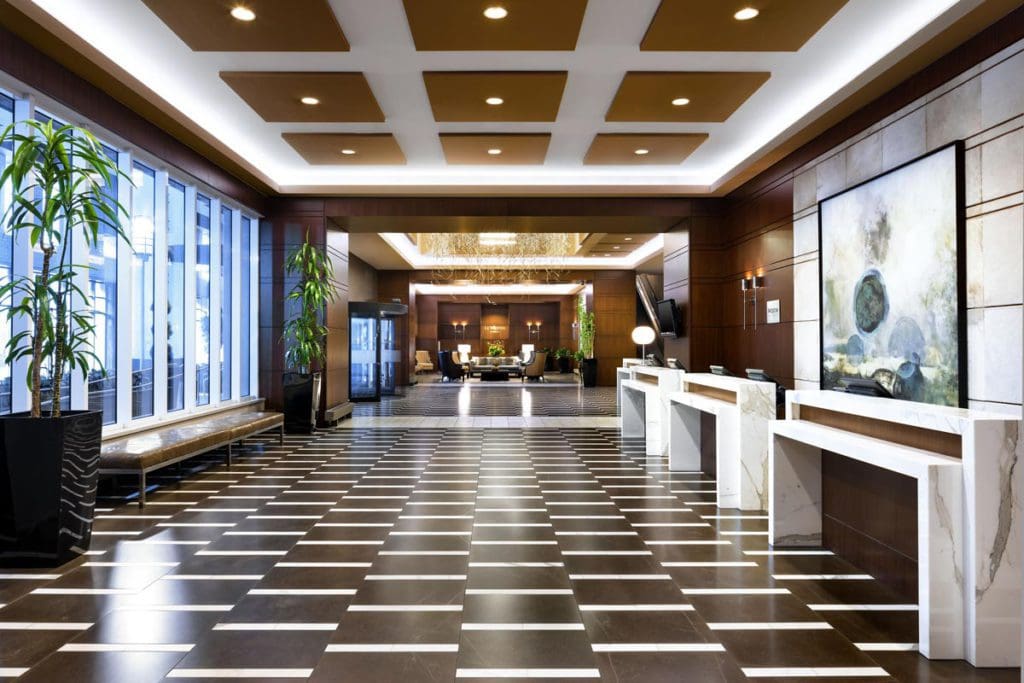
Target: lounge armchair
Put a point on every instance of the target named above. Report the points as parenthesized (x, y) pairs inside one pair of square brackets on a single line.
[(423, 362), (450, 370), (535, 369)]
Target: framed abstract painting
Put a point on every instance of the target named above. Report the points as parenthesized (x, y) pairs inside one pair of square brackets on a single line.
[(893, 279)]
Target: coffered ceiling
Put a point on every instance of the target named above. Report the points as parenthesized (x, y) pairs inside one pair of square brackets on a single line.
[(598, 96)]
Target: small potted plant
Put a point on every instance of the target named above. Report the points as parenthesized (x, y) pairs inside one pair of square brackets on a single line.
[(49, 457), (305, 335), (563, 354), (495, 350)]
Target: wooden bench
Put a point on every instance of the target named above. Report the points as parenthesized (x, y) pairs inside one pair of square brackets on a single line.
[(143, 452)]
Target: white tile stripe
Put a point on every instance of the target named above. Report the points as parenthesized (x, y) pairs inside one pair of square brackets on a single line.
[(814, 672), (770, 626), (658, 647), (393, 647), (527, 673), (240, 673)]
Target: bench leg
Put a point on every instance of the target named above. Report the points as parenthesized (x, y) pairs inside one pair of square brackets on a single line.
[(142, 490), (280, 434), (229, 456)]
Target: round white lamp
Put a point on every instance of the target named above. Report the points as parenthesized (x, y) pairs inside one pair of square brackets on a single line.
[(643, 336)]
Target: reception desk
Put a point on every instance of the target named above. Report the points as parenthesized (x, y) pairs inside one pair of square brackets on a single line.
[(624, 373), (644, 408), (958, 468), (739, 410)]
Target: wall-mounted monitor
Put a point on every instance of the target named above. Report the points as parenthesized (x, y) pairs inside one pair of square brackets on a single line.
[(670, 318)]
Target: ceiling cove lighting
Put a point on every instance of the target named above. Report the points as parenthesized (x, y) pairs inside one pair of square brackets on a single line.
[(311, 101), (746, 14), (680, 101), (496, 12), (563, 289), (242, 13), (494, 101)]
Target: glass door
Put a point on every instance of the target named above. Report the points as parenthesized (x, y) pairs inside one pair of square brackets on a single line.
[(389, 356), (363, 376)]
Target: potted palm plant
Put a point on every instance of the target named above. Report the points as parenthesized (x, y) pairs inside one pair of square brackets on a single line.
[(585, 354), (49, 457), (305, 335)]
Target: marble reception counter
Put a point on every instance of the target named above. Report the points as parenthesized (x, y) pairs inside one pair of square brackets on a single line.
[(741, 409), (968, 505), (643, 405)]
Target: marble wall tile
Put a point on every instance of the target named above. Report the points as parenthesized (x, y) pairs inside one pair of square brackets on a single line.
[(805, 235), (999, 408), (1002, 91), (805, 291), (994, 360), (954, 115), (806, 351), (904, 140), (864, 159), (995, 252), (972, 176), (1002, 165), (806, 384), (805, 190), (831, 175)]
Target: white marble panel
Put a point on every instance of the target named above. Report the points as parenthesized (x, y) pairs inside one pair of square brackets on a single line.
[(864, 159), (807, 351), (632, 417), (805, 190), (994, 360), (1002, 91), (1002, 165), (954, 115), (795, 510), (995, 252), (805, 291), (831, 175), (805, 235), (972, 176), (904, 139)]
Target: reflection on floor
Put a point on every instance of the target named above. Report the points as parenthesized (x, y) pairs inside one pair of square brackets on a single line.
[(494, 400), (409, 555)]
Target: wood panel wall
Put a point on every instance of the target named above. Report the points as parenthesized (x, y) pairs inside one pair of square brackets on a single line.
[(614, 306)]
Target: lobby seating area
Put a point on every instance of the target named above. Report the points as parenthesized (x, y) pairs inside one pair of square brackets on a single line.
[(404, 341)]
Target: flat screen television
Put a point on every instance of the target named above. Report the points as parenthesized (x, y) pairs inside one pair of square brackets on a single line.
[(669, 318)]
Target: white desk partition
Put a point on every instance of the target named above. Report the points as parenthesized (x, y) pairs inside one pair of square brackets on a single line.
[(644, 407), (742, 410), (969, 507)]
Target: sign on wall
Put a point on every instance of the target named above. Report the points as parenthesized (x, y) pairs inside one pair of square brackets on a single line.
[(892, 281)]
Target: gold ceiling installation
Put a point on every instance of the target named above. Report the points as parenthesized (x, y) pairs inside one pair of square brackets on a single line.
[(497, 257)]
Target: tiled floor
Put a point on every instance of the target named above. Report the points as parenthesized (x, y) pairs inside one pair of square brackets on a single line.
[(494, 399), (395, 554)]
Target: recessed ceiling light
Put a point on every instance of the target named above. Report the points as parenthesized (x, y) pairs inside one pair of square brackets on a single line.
[(348, 152), (640, 152), (629, 239), (616, 247), (745, 14), (494, 101), (680, 101), (242, 13), (496, 12), (494, 152), (310, 100)]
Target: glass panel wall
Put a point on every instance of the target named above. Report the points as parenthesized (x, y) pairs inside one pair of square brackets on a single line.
[(102, 377), (226, 253), (175, 296), (245, 305), (143, 288), (202, 300), (6, 257)]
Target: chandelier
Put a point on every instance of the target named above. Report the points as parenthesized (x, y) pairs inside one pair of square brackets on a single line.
[(497, 257)]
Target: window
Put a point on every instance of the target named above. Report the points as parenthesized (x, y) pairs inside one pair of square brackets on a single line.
[(143, 286), (102, 377), (226, 253), (175, 296), (6, 258), (245, 304), (202, 300)]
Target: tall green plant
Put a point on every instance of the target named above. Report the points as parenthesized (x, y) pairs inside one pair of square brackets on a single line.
[(57, 175), (586, 321), (305, 335)]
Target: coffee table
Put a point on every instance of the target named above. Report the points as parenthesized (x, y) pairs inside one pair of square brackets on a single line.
[(494, 376)]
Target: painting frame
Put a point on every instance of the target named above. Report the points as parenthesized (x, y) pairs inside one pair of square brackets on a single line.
[(960, 218)]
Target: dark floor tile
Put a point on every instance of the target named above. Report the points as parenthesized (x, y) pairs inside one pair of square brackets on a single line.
[(520, 609), (103, 667), (519, 649), (257, 649), (390, 667)]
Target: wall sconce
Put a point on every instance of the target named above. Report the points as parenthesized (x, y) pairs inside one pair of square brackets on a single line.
[(750, 284), (460, 328), (533, 328)]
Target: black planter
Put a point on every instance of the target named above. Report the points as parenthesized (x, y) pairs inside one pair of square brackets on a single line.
[(549, 363), (48, 472), (563, 364), (588, 371), (301, 392)]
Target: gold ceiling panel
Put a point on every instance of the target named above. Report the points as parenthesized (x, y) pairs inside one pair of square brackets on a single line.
[(616, 244), (277, 95), (347, 149), (507, 149), (525, 95), (278, 26), (710, 25), (712, 96), (657, 148), (454, 25)]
